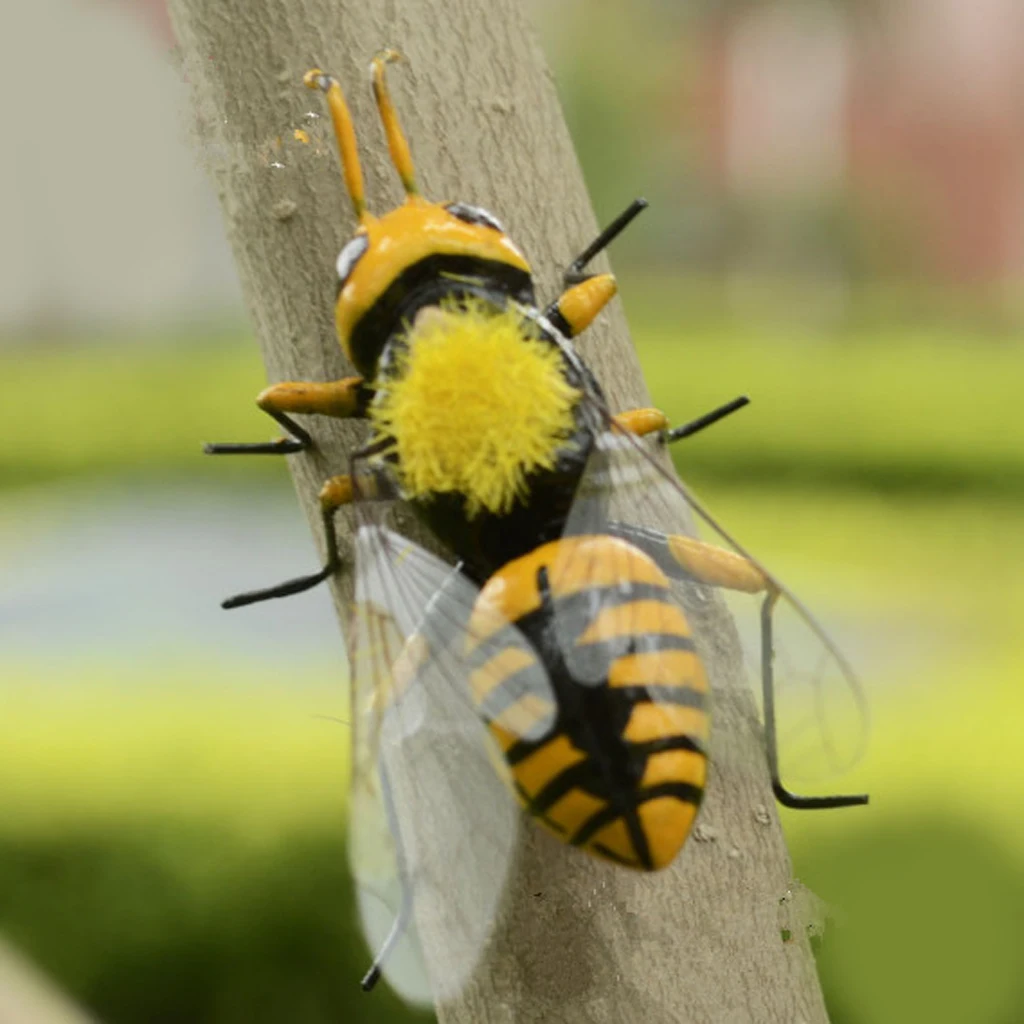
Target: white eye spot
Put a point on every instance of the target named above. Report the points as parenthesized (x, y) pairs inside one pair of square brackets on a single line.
[(350, 256), (474, 215)]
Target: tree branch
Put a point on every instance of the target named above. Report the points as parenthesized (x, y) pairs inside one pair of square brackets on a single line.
[(26, 997), (581, 940)]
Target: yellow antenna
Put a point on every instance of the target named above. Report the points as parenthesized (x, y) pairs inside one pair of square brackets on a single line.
[(399, 148), (346, 134)]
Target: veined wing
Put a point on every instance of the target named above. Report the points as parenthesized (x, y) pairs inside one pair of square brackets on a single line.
[(820, 710), (433, 824)]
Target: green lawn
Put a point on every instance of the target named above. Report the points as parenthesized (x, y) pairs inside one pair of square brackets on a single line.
[(113, 408), (874, 411), (883, 411)]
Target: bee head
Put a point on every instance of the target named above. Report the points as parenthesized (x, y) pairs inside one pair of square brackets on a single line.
[(409, 257)]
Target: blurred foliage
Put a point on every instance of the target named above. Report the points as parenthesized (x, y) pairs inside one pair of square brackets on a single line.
[(880, 408), (656, 108), (202, 739), (621, 85), (886, 412), (932, 913), (159, 921), (177, 855), (101, 407)]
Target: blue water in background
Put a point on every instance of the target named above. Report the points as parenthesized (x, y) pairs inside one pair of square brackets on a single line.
[(141, 575)]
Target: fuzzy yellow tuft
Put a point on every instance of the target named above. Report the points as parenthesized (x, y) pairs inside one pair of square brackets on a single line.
[(476, 406)]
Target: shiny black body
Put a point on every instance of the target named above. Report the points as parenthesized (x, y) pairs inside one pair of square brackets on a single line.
[(431, 282)]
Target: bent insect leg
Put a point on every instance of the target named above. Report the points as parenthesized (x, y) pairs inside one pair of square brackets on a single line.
[(336, 492), (576, 308), (783, 795), (345, 399), (574, 273), (585, 295), (642, 422), (684, 558)]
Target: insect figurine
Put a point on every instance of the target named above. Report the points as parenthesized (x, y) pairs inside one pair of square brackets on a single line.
[(553, 655)]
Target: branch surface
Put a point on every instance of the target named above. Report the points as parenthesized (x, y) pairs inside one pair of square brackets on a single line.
[(581, 941)]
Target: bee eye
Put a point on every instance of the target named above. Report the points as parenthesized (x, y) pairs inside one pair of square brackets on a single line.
[(350, 256), (474, 215)]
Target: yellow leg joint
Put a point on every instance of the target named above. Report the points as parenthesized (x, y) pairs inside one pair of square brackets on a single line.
[(716, 566), (339, 490), (581, 303), (642, 421), (339, 398), (336, 492)]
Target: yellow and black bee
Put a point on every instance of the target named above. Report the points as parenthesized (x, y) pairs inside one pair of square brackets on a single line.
[(558, 626)]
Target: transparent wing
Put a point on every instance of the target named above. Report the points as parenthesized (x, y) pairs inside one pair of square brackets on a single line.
[(433, 823), (820, 710)]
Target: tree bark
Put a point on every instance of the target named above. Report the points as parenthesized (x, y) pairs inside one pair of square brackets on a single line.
[(26, 997), (581, 940)]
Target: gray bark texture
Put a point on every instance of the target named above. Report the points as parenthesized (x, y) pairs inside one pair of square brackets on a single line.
[(580, 941), (26, 997)]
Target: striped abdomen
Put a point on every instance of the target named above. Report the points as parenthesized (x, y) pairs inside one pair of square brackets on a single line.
[(602, 716)]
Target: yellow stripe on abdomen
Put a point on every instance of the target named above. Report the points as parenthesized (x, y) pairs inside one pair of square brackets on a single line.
[(666, 822), (616, 840), (659, 668), (528, 715), (635, 617), (488, 677), (573, 564), (651, 721), (543, 766), (684, 766)]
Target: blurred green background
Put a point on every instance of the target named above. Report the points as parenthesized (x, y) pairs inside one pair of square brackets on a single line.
[(838, 234)]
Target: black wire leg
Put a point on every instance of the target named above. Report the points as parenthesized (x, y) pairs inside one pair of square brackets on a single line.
[(783, 795), (299, 441), (378, 447), (702, 422), (401, 922), (300, 583), (575, 272)]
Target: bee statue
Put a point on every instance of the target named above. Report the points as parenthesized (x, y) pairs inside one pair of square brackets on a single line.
[(554, 645)]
